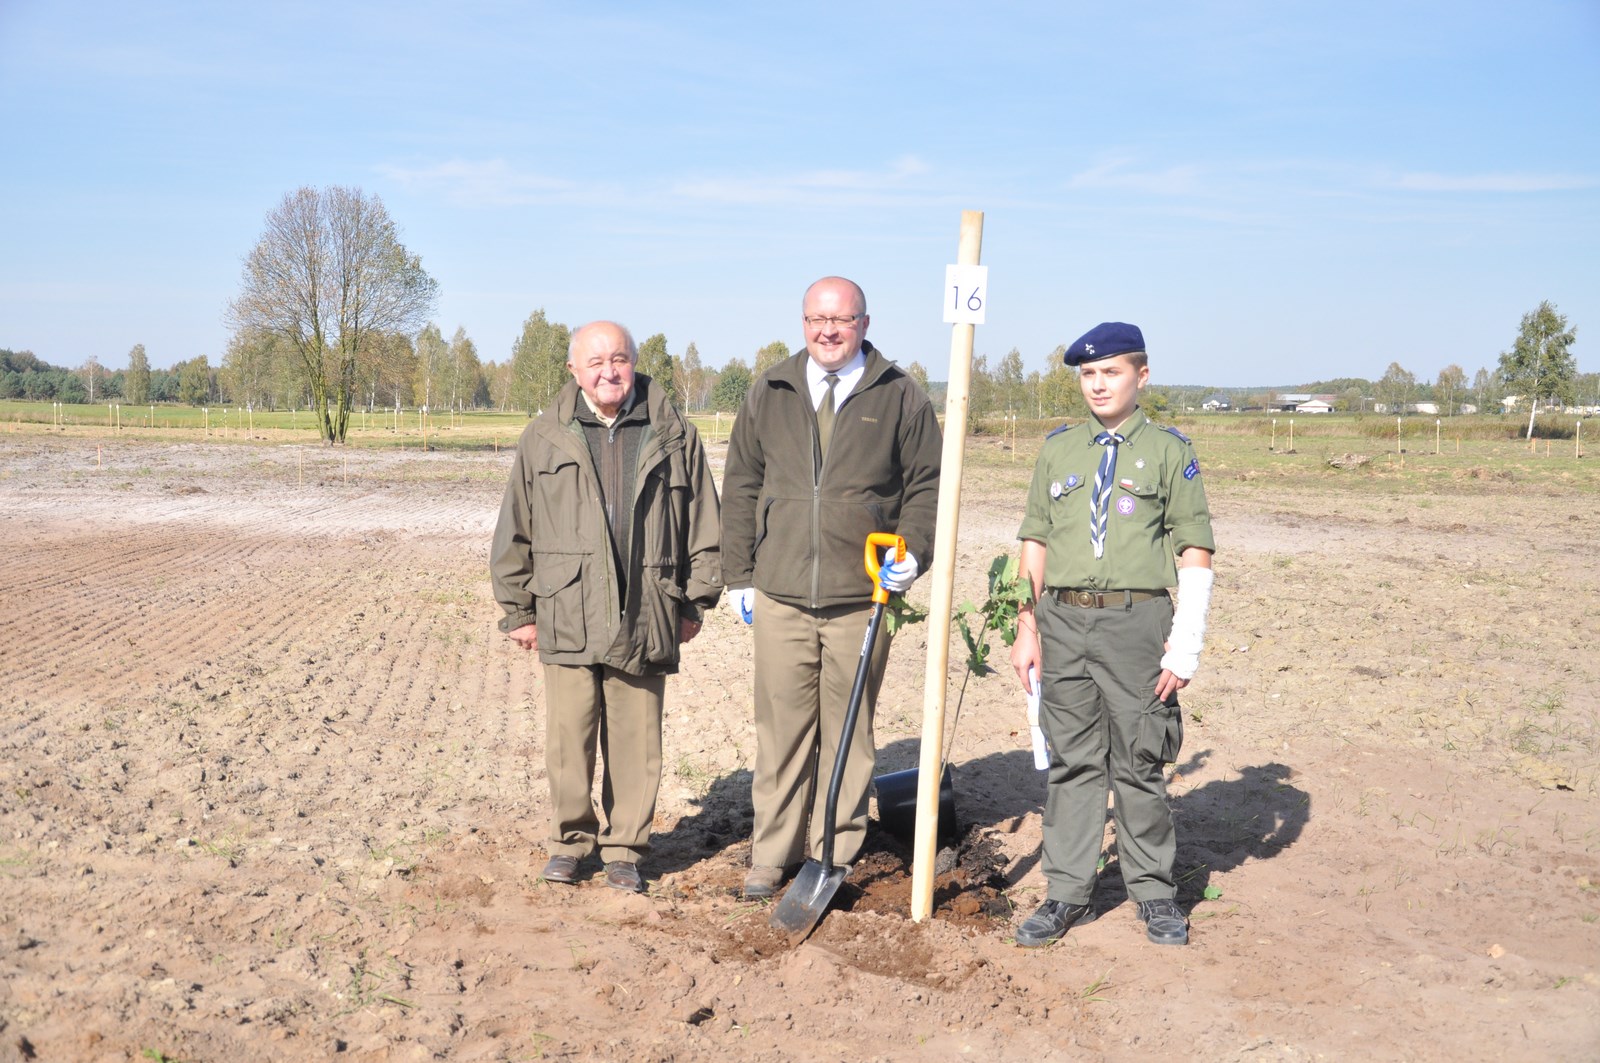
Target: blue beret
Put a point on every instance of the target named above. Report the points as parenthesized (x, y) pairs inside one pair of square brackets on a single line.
[(1104, 340)]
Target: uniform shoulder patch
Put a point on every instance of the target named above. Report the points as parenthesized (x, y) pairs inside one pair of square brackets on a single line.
[(1174, 431), (1058, 431)]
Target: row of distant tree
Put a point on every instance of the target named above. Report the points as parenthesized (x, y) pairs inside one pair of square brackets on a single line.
[(333, 314), (426, 370)]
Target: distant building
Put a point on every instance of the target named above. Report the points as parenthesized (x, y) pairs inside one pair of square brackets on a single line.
[(1429, 408), (1314, 406), (1467, 407), (1284, 402), (1216, 403)]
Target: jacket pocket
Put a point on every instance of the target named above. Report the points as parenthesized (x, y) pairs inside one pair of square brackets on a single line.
[(558, 602), (660, 608), (1160, 734), (761, 526)]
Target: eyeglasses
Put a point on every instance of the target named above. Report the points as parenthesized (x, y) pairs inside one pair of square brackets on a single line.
[(840, 320)]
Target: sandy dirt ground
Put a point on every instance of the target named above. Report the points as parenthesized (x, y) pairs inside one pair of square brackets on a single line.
[(272, 788)]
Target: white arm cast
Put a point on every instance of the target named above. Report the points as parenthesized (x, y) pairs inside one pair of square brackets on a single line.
[(1182, 658)]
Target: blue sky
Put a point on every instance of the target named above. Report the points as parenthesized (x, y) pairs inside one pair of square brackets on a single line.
[(1276, 192)]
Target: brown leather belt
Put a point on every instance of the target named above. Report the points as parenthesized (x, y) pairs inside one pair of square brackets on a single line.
[(1103, 599)]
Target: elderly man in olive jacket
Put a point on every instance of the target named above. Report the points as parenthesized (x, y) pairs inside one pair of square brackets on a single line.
[(605, 557)]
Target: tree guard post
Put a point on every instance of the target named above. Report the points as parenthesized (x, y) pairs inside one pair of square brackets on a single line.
[(964, 318)]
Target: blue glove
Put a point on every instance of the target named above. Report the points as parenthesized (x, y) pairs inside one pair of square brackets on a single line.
[(742, 603), (896, 577)]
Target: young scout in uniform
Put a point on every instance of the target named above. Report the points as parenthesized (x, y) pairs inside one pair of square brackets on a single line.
[(1114, 503)]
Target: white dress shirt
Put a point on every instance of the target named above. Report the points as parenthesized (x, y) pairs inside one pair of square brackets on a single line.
[(849, 376)]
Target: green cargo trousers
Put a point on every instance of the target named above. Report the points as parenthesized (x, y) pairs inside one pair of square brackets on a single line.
[(1106, 730)]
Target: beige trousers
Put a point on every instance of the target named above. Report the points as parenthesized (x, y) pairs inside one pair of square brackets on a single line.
[(590, 707), (805, 665)]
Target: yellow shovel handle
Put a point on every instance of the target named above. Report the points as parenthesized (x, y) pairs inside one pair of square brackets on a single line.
[(875, 543)]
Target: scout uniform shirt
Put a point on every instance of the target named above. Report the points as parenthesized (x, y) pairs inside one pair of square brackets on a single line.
[(1156, 496)]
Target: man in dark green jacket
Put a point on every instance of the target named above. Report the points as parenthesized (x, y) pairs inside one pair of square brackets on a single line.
[(831, 445), (604, 558)]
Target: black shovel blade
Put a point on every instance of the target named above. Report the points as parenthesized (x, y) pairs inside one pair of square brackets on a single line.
[(807, 898)]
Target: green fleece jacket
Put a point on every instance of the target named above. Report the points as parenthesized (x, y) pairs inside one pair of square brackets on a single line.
[(795, 527)]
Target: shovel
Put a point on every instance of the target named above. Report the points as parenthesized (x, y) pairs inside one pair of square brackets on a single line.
[(812, 890)]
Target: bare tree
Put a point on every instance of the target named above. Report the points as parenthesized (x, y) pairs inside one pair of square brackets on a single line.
[(433, 366), (329, 275), (91, 374), (1452, 382), (248, 369)]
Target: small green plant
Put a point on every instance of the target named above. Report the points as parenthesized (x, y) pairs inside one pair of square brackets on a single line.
[(364, 988), (697, 777), (1212, 893), (227, 847), (1008, 593), (899, 613), (1091, 992)]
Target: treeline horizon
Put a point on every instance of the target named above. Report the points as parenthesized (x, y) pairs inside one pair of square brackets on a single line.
[(429, 371)]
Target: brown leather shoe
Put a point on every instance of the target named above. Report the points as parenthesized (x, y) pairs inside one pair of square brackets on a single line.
[(560, 869), (621, 875), (762, 882)]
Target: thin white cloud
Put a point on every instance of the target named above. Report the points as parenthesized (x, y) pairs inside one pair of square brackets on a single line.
[(1118, 175), (496, 183), (811, 187), (1492, 182)]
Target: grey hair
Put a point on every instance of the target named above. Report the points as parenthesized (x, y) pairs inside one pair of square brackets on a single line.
[(627, 337)]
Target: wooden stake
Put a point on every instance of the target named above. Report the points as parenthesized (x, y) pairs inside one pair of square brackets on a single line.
[(942, 588)]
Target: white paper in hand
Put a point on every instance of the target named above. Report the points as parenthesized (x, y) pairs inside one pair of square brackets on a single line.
[(1041, 748)]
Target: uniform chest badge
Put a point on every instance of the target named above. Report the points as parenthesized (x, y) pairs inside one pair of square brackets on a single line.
[(1139, 464), (1072, 480), (1055, 489), (1125, 505)]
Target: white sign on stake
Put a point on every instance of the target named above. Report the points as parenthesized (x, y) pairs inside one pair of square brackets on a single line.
[(966, 294)]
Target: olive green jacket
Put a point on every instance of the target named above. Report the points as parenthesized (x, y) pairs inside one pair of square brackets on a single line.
[(552, 563), (795, 526), (1157, 507)]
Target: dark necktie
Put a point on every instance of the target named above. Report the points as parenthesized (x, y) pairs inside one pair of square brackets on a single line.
[(825, 413)]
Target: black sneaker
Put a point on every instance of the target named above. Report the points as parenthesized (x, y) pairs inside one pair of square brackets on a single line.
[(1050, 922), (1164, 922)]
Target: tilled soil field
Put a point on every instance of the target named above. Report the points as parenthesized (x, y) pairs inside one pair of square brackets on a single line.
[(272, 788)]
